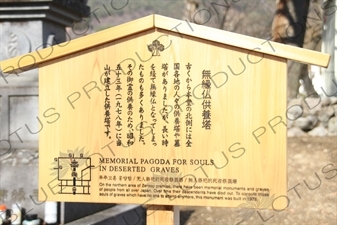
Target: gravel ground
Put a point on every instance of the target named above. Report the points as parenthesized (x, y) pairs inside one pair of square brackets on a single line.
[(312, 185)]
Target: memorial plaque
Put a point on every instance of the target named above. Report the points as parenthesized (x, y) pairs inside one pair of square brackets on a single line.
[(154, 113)]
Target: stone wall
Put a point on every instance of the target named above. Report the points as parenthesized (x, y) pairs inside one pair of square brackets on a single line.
[(312, 117), (26, 26)]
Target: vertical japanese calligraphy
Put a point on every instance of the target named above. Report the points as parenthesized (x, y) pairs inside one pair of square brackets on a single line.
[(206, 103), (129, 81), (176, 112), (153, 94), (107, 106), (118, 98), (164, 111), (145, 122), (141, 99), (189, 104), (134, 118)]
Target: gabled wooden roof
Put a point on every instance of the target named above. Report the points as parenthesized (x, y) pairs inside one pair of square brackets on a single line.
[(34, 59)]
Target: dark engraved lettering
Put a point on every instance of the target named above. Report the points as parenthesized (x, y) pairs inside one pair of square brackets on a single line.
[(118, 98), (189, 103), (176, 112), (206, 96), (141, 108), (165, 112), (129, 80), (107, 105)]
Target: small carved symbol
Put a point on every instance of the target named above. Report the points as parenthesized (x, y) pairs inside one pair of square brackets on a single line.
[(73, 172), (155, 48), (13, 45)]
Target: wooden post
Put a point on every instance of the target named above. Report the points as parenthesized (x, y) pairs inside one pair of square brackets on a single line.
[(162, 214)]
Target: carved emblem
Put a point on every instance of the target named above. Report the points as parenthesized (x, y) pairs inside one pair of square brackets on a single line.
[(13, 45), (14, 42), (155, 48)]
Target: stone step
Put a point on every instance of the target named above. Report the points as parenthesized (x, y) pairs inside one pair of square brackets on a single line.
[(121, 214)]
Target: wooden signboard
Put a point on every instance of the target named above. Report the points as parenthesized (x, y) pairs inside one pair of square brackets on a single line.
[(161, 111)]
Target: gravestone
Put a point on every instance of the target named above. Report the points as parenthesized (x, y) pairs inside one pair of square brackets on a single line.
[(26, 26)]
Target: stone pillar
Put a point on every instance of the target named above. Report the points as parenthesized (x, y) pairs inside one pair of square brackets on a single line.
[(329, 45), (26, 26)]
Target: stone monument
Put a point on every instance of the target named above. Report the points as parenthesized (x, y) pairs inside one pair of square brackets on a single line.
[(27, 26)]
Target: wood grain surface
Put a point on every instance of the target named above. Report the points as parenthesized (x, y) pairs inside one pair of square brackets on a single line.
[(232, 145), (34, 59)]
